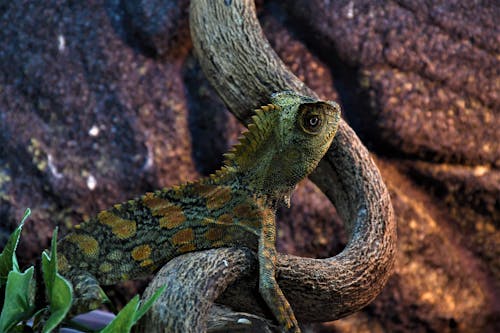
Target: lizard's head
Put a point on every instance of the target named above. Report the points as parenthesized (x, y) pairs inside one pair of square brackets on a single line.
[(304, 134), (285, 142)]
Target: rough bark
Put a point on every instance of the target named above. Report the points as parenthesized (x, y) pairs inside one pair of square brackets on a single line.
[(244, 70)]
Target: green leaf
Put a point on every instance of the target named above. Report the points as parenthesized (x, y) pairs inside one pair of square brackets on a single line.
[(148, 304), (8, 261), (124, 320), (59, 290), (131, 314), (60, 303), (19, 299)]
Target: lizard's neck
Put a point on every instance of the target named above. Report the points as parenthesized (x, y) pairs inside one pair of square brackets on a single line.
[(249, 182), (249, 163)]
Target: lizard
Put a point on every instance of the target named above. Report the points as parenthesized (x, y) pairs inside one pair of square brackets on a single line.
[(235, 206)]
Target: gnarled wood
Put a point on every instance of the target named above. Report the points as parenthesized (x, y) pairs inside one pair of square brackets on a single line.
[(243, 68)]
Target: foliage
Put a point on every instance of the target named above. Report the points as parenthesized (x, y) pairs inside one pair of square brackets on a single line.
[(59, 290), (131, 314), (19, 289)]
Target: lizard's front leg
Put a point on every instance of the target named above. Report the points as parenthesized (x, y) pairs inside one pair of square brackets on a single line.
[(268, 287), (87, 294)]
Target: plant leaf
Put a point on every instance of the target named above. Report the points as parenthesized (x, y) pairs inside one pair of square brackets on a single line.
[(60, 303), (124, 320), (131, 314), (8, 261), (148, 304), (59, 290), (19, 299)]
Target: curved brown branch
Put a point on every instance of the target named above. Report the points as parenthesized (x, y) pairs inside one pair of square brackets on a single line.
[(194, 281), (243, 68)]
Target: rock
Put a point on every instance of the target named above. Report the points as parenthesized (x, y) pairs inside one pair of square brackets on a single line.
[(159, 26), (431, 86)]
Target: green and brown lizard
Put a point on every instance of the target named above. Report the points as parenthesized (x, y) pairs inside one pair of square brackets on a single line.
[(235, 206)]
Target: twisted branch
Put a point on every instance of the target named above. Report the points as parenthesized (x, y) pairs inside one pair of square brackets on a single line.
[(242, 67)]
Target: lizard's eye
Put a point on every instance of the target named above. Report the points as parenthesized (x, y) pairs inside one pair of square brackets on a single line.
[(310, 119), (314, 121)]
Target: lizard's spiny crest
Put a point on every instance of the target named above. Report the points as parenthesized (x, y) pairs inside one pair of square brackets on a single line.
[(250, 141)]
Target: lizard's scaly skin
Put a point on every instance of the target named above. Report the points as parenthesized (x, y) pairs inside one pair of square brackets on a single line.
[(233, 207)]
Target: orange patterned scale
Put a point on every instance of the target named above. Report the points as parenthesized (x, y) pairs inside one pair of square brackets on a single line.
[(172, 216), (213, 234), (245, 211), (201, 189), (147, 262), (218, 197), (219, 243), (62, 263), (247, 215), (187, 248), (225, 219), (86, 243), (183, 236), (141, 252), (122, 228)]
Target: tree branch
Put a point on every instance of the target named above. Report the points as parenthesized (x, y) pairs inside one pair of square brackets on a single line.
[(241, 65)]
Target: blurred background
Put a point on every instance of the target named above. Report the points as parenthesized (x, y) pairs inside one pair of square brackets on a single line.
[(101, 101)]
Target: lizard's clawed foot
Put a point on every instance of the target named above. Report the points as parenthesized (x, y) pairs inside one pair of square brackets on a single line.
[(289, 322), (87, 294), (292, 326)]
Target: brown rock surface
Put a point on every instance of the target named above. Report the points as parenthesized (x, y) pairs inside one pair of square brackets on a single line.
[(96, 107), (446, 75)]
